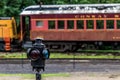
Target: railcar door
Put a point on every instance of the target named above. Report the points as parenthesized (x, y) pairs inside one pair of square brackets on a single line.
[(25, 28)]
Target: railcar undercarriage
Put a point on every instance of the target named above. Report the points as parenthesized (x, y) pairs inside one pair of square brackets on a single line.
[(73, 46)]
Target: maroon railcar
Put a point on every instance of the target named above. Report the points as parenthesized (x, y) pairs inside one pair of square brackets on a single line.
[(71, 27)]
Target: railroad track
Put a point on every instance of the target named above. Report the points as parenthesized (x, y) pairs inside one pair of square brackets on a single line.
[(63, 60)]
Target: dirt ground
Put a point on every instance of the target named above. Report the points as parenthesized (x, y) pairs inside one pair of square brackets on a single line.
[(75, 76), (88, 76)]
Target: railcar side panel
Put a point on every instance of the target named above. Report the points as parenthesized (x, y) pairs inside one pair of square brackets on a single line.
[(90, 35)]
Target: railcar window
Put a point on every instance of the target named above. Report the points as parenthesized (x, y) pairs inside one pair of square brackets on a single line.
[(100, 24), (61, 24), (80, 24), (110, 24), (51, 24), (39, 23), (118, 24), (90, 24), (70, 24)]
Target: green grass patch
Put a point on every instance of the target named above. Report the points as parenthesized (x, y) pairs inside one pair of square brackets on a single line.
[(13, 55), (56, 75), (82, 56), (27, 76), (90, 54), (32, 76)]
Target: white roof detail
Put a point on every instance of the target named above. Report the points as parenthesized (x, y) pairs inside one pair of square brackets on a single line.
[(71, 9)]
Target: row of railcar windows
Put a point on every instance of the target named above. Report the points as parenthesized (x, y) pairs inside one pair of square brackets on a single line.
[(110, 24)]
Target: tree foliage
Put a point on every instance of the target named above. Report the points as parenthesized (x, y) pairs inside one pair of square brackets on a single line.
[(14, 7)]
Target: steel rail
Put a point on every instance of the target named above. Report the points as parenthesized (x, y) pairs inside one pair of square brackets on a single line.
[(56, 60)]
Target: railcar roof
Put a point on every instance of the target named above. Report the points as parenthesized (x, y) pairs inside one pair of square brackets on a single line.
[(5, 18), (71, 9)]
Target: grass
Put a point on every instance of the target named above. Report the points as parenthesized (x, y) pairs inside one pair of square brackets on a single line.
[(82, 56), (90, 54), (104, 54), (13, 55), (32, 76), (28, 76)]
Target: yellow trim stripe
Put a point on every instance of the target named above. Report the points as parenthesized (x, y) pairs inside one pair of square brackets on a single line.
[(79, 19)]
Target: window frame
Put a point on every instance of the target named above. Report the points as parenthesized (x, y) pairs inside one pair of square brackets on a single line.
[(54, 24), (108, 25), (39, 25), (61, 26), (101, 27), (80, 27), (87, 25), (70, 26)]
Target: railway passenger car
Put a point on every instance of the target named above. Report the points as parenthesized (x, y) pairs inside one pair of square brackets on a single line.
[(72, 27)]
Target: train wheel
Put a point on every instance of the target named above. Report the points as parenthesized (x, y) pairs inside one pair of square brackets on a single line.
[(91, 47), (74, 48), (88, 47)]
